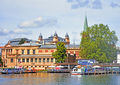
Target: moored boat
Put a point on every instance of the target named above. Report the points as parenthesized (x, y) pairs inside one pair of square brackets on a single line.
[(77, 71), (88, 70), (12, 71)]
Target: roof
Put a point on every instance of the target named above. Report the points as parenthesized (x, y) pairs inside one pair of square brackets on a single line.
[(15, 42), (30, 44), (1, 46), (72, 46), (54, 46), (55, 34), (17, 39), (48, 46), (50, 39), (40, 36), (67, 35)]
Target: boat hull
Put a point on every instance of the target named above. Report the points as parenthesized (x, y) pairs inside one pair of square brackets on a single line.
[(75, 74)]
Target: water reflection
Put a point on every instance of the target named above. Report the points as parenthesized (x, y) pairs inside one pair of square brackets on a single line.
[(58, 79)]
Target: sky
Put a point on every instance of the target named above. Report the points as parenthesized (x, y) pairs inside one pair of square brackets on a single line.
[(29, 18)]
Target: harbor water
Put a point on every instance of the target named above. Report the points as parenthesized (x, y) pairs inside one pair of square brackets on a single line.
[(58, 79)]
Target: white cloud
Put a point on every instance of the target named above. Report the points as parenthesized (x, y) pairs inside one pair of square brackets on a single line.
[(114, 5), (5, 32), (93, 4), (39, 22)]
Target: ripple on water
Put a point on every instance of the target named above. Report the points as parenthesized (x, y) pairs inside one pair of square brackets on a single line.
[(58, 79)]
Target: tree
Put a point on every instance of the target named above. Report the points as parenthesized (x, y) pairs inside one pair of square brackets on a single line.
[(22, 41), (98, 43), (60, 55)]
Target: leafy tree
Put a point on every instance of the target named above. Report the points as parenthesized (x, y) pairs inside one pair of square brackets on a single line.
[(22, 41), (60, 55), (98, 43)]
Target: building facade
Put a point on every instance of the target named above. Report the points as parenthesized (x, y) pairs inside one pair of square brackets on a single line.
[(35, 54)]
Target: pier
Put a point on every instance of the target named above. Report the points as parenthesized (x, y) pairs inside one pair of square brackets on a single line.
[(108, 68)]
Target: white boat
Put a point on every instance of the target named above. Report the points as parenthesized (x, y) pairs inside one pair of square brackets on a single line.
[(76, 71)]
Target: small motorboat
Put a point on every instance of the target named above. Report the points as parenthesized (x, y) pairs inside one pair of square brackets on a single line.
[(77, 71)]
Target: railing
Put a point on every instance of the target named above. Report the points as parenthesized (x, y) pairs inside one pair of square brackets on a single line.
[(110, 64)]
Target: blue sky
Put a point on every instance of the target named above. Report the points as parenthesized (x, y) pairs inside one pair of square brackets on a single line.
[(29, 18)]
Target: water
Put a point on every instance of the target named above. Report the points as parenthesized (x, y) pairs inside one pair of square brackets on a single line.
[(58, 79)]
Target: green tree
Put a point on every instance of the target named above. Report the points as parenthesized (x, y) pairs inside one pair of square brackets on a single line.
[(98, 43), (60, 55), (22, 41)]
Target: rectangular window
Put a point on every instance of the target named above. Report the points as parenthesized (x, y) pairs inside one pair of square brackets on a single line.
[(18, 60), (39, 59), (40, 51), (27, 59), (52, 51), (11, 51), (31, 59), (46, 50), (22, 51), (43, 59), (35, 59), (28, 51), (71, 52), (33, 51), (23, 60), (77, 52), (47, 59), (11, 60), (17, 51), (51, 59)]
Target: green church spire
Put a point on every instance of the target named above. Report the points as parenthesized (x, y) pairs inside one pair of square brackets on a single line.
[(85, 24)]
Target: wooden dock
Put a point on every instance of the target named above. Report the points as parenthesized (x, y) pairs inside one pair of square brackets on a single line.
[(106, 69)]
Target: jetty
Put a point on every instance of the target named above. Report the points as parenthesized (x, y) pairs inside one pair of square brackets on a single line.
[(105, 68)]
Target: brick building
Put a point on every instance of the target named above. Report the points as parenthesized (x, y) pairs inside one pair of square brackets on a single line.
[(35, 54)]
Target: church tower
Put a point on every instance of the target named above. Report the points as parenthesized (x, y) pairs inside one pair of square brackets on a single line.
[(55, 38), (85, 27), (40, 37), (85, 24), (67, 38)]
